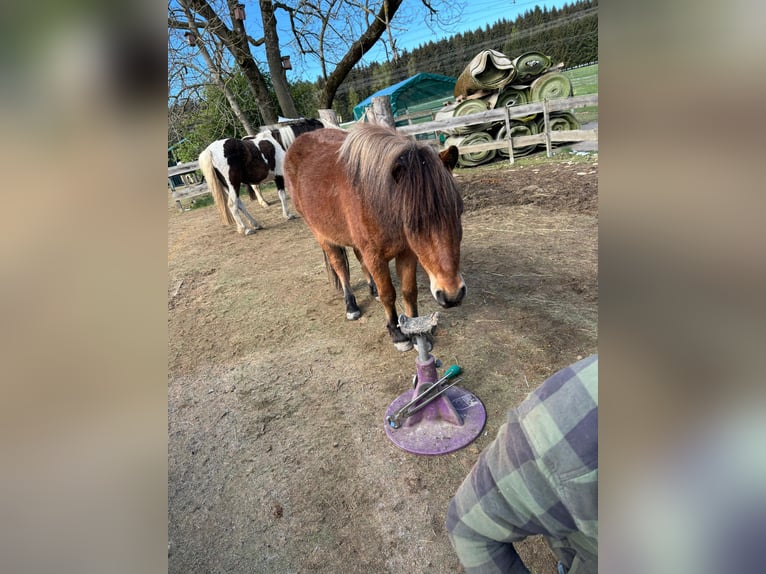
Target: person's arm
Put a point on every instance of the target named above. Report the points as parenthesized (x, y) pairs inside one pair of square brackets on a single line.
[(515, 489), (500, 502)]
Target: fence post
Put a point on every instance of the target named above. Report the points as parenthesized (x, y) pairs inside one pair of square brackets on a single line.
[(547, 129), (508, 133), (381, 111), (328, 116)]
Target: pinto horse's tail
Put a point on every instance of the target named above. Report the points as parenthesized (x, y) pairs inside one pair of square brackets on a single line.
[(214, 183), (331, 274)]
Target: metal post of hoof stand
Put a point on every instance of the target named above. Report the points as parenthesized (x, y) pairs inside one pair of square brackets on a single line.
[(436, 416)]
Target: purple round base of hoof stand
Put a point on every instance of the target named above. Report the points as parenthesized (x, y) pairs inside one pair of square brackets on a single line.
[(433, 435)]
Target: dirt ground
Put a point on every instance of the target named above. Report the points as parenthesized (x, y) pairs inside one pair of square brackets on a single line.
[(278, 461)]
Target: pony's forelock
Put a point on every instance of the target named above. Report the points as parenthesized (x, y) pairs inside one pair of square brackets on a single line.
[(423, 197)]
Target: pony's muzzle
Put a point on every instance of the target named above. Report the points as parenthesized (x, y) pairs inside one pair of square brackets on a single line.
[(447, 301)]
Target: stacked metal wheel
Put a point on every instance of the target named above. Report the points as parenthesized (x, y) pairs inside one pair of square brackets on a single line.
[(492, 80)]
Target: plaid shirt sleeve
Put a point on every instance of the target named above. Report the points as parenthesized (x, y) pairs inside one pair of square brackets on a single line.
[(539, 476)]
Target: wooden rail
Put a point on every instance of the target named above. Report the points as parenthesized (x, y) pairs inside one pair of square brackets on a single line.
[(448, 124), (507, 114), (182, 168), (187, 191)]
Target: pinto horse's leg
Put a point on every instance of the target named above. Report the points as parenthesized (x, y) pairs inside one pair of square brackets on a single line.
[(406, 267), (338, 260), (234, 207), (387, 294), (280, 181), (370, 280), (241, 207), (259, 197)]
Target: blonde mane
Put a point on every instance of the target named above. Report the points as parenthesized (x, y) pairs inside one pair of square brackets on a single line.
[(404, 181)]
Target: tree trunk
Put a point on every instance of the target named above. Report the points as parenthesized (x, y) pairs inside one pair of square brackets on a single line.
[(381, 112), (236, 41), (231, 98), (274, 59), (257, 83), (238, 112), (329, 116), (216, 71), (240, 49)]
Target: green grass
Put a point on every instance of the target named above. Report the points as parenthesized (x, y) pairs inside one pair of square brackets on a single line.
[(207, 200), (538, 157), (584, 81), (201, 201)]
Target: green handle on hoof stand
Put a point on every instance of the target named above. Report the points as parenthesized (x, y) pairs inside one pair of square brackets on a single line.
[(452, 371)]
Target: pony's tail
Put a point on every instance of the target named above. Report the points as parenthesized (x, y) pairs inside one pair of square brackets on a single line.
[(216, 189), (331, 274)]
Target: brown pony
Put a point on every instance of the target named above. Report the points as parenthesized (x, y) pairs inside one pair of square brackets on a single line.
[(387, 197)]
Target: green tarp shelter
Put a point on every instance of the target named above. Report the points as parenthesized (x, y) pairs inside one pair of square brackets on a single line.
[(420, 92)]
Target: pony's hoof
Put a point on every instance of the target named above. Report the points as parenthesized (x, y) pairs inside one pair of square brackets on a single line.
[(403, 346), (353, 316), (291, 216), (250, 231), (264, 203)]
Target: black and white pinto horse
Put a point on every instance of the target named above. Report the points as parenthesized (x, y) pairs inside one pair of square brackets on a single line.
[(252, 160)]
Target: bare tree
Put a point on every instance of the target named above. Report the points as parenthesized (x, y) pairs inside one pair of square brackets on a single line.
[(238, 43), (338, 33), (215, 67), (274, 59), (360, 47)]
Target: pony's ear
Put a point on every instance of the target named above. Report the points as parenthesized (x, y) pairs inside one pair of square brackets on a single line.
[(449, 157)]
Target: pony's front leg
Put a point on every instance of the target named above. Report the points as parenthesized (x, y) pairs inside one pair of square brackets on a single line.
[(280, 181), (387, 296), (234, 207), (253, 222), (259, 197), (406, 268)]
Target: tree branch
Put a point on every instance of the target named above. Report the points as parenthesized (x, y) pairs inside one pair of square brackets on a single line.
[(427, 4), (357, 50), (183, 25)]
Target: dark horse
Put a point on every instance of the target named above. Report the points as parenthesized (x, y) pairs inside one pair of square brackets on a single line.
[(228, 163), (387, 197)]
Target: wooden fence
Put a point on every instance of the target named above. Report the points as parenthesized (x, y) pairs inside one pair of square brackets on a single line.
[(547, 137), (181, 169), (196, 188)]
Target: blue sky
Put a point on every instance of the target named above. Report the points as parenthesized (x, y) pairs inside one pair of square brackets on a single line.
[(475, 14)]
